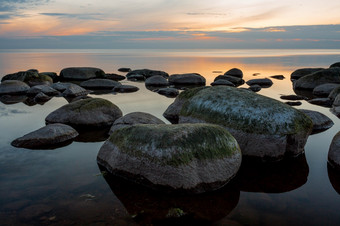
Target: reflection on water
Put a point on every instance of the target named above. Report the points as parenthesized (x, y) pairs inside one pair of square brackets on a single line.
[(334, 178)]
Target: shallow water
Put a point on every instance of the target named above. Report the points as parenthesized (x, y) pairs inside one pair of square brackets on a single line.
[(66, 186)]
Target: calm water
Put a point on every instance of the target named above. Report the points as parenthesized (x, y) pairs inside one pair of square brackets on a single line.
[(65, 185)]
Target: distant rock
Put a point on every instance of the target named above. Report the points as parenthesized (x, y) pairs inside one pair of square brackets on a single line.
[(81, 73), (52, 75), (222, 82), (41, 98), (293, 103), (255, 88), (156, 80), (133, 119), (334, 152), (234, 72), (325, 89), (73, 90), (86, 113), (187, 79), (279, 77), (325, 102), (46, 137), (320, 121), (125, 89), (47, 90), (114, 77), (292, 97), (168, 92), (299, 73), (13, 87), (31, 78), (264, 82), (235, 80), (337, 64), (124, 69), (99, 84), (142, 74), (191, 158), (330, 75)]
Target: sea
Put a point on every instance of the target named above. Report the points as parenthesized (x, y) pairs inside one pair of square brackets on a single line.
[(65, 186)]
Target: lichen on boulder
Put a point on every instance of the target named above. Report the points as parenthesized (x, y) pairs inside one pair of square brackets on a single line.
[(263, 127), (186, 157)]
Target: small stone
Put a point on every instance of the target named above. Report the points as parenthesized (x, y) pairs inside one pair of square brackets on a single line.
[(292, 97), (156, 80), (320, 121), (235, 72), (114, 77), (293, 103), (255, 88), (125, 89), (124, 69), (99, 84), (222, 82), (325, 102), (264, 82), (168, 92), (187, 79), (279, 77)]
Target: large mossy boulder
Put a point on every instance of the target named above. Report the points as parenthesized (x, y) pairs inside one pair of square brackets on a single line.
[(185, 157), (330, 75), (92, 112), (81, 73), (13, 87), (262, 126), (334, 152)]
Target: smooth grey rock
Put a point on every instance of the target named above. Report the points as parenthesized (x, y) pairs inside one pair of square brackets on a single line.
[(334, 152), (81, 73), (191, 158), (235, 80), (99, 84), (73, 90), (41, 98), (134, 118), (335, 92), (168, 92), (114, 77), (263, 82), (299, 73), (325, 89), (142, 74), (47, 90), (187, 79), (92, 112), (222, 82), (125, 89), (46, 137), (13, 87), (320, 121), (337, 64), (330, 75), (263, 127), (156, 80), (325, 102), (29, 77), (235, 72)]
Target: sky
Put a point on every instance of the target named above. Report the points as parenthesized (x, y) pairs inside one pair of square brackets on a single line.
[(169, 24)]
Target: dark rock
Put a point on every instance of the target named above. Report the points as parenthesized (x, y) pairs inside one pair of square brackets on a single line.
[(336, 111), (30, 78), (264, 127), (255, 88), (13, 87), (41, 98), (9, 99), (33, 70), (263, 82), (46, 137), (320, 121), (334, 152), (222, 82), (168, 92), (299, 73), (337, 64), (92, 112), (325, 102), (336, 101), (47, 90), (73, 90), (142, 74), (330, 75), (234, 72), (52, 75), (293, 103), (195, 158), (189, 78), (134, 118), (279, 77), (325, 89), (114, 77), (292, 97), (334, 93), (156, 80), (81, 73), (125, 89), (99, 84), (124, 69), (235, 80)]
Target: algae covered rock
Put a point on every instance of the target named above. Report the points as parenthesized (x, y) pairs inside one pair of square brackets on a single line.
[(186, 157), (262, 126), (92, 112)]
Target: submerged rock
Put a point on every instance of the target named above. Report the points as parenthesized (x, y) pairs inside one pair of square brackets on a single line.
[(330, 75), (263, 127), (134, 118), (81, 73), (188, 157), (293, 103), (99, 84), (299, 73), (334, 152), (13, 87), (46, 137), (187, 79), (92, 112), (235, 72), (320, 121)]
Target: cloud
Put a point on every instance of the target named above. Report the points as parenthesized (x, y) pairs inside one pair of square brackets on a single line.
[(93, 16)]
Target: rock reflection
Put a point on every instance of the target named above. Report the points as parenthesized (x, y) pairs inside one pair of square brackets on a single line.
[(149, 207), (274, 177), (92, 135), (334, 178)]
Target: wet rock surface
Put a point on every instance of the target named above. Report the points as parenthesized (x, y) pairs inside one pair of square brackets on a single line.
[(99, 84), (13, 87), (334, 152), (320, 121), (188, 78), (310, 81), (235, 72), (81, 73)]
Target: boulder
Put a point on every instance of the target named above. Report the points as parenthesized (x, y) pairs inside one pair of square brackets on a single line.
[(41, 98), (235, 80), (52, 75), (187, 79), (168, 92), (156, 80), (124, 69), (32, 78), (114, 77), (81, 73), (73, 90), (337, 64), (264, 127), (47, 90), (92, 112), (192, 158), (142, 74), (255, 88), (125, 89), (325, 89), (46, 137), (334, 93), (13, 87), (325, 102), (299, 73), (222, 82), (334, 152), (235, 72), (330, 75), (263, 82), (99, 84), (336, 102), (320, 121), (134, 118), (336, 111)]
